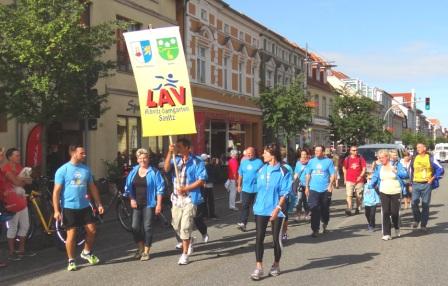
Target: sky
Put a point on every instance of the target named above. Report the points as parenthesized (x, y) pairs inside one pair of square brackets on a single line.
[(395, 45)]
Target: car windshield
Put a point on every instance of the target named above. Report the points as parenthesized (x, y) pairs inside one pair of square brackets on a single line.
[(369, 153)]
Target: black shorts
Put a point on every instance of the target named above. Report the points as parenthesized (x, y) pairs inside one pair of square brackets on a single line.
[(77, 217)]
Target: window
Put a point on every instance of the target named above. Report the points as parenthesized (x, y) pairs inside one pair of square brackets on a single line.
[(316, 100), (265, 44), (253, 81), (129, 134), (322, 75), (226, 71), (279, 79), (324, 107), (254, 42), (3, 122), (273, 49), (201, 65), (204, 15), (331, 106), (287, 80), (241, 36), (123, 61), (240, 77), (269, 77), (226, 28)]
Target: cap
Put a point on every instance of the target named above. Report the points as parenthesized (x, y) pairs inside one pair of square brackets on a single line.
[(205, 156)]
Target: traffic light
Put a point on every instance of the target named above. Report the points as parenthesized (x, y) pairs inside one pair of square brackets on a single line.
[(427, 103)]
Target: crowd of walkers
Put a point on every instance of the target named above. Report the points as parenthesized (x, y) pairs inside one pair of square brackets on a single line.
[(269, 187)]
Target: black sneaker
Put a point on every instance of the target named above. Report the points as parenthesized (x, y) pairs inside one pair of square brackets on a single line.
[(314, 234), (348, 212), (356, 211), (414, 225)]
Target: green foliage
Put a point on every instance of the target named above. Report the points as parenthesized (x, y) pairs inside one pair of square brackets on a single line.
[(284, 108), (353, 120), (114, 170), (50, 61), (411, 139)]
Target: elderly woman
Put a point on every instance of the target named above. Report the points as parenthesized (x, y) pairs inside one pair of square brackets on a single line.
[(145, 188), (388, 177), (273, 183)]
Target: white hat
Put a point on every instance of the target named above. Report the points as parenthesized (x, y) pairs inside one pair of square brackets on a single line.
[(205, 156)]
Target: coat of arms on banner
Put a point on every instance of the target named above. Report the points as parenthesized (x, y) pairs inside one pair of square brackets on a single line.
[(168, 48), (142, 51)]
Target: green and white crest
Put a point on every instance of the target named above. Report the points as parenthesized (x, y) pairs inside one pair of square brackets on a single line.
[(168, 48)]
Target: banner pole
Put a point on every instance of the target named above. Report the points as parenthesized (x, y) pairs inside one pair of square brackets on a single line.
[(174, 162)]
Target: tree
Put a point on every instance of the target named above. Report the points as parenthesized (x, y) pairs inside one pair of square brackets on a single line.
[(353, 119), (50, 61), (285, 109)]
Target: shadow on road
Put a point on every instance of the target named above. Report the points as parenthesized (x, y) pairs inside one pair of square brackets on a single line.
[(334, 262)]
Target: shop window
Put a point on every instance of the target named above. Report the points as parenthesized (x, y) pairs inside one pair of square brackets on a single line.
[(3, 122), (123, 61), (129, 134), (226, 72)]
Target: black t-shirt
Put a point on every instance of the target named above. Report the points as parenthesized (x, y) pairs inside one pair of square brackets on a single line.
[(140, 187)]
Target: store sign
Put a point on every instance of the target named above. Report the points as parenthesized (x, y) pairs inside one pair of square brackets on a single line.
[(161, 74), (319, 121)]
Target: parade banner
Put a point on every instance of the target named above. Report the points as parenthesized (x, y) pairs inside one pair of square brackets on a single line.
[(161, 75), (34, 147)]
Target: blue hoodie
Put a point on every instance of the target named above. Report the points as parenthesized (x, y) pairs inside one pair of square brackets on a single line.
[(272, 183), (154, 182), (402, 174)]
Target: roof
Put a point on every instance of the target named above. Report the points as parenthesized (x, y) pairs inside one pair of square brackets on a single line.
[(407, 97), (339, 75)]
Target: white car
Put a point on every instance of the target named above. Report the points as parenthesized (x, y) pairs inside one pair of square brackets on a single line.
[(441, 152)]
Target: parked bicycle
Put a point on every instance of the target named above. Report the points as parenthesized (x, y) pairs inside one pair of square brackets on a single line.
[(113, 197)]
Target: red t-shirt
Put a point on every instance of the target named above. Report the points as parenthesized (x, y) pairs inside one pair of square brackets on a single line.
[(354, 168), (9, 168), (232, 169)]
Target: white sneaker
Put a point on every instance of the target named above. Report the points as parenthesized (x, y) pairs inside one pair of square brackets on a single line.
[(179, 245), (205, 238), (191, 247), (397, 232), (386, 237), (183, 260)]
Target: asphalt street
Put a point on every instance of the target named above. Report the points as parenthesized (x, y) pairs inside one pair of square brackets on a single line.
[(347, 255)]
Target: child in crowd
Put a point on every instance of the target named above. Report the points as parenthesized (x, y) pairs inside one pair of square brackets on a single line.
[(370, 200)]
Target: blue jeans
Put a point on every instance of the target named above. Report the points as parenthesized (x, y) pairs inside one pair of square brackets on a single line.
[(141, 225), (247, 200), (422, 191), (319, 205)]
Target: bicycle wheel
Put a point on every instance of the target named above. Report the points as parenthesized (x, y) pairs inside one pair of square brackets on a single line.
[(124, 214), (61, 234)]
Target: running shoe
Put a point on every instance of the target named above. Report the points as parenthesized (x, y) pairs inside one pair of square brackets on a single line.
[(257, 274), (72, 266), (183, 260), (275, 271), (92, 259)]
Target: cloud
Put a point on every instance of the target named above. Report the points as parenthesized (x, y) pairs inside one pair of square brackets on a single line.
[(418, 61)]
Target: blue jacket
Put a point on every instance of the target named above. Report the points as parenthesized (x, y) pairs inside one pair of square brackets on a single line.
[(370, 198), (437, 170), (402, 174), (154, 181), (195, 171), (270, 191)]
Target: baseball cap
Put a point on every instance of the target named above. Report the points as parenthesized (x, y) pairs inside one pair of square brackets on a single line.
[(205, 156)]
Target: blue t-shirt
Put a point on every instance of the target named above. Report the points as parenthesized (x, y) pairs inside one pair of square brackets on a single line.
[(248, 170), (300, 171), (75, 180), (320, 171)]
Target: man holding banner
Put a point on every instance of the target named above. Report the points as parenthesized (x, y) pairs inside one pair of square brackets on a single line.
[(186, 194)]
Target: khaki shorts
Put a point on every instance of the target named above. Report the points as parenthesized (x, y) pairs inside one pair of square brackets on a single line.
[(352, 187), (182, 220)]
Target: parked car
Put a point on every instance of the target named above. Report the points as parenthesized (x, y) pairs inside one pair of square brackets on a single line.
[(369, 151)]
